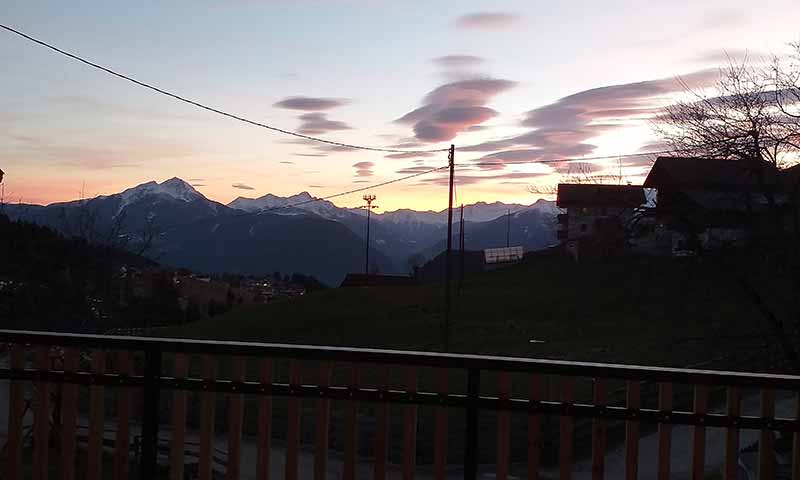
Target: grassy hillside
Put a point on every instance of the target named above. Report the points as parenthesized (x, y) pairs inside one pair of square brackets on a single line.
[(649, 311)]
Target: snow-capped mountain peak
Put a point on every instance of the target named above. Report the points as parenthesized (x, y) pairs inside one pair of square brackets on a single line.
[(265, 202), (174, 188), (405, 215), (547, 207), (304, 199)]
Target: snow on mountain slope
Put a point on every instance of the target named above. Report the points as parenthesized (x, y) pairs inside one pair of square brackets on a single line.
[(174, 188), (267, 201), (406, 215), (477, 212), (546, 206), (280, 206)]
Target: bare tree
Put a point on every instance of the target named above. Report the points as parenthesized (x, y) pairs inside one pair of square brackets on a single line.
[(572, 172), (83, 222), (744, 117), (750, 116), (786, 77)]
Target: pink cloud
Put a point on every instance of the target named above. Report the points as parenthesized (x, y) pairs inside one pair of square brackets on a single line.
[(322, 148), (454, 107), (405, 155), (487, 20), (562, 129), (478, 178), (317, 123), (413, 170), (458, 60), (311, 104), (363, 169), (725, 56)]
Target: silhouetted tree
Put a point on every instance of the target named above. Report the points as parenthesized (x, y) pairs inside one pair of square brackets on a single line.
[(752, 116)]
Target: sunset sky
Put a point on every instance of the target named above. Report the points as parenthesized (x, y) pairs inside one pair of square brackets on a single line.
[(515, 80)]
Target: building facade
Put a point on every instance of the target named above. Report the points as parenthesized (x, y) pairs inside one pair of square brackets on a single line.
[(596, 218)]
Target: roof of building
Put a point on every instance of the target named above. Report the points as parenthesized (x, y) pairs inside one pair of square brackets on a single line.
[(503, 255), (375, 280), (791, 178), (593, 195), (709, 173)]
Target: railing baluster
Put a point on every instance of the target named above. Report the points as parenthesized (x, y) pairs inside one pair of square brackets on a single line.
[(534, 430), (94, 458), (293, 425), (148, 462), (351, 429), (440, 432), (264, 423), (381, 428), (503, 427), (766, 444), (632, 431), (69, 416), (732, 435), (472, 410), (664, 432), (796, 442), (16, 410), (178, 440), (235, 421), (122, 440), (208, 400), (599, 432), (323, 425), (565, 430), (41, 419), (699, 440), (410, 428)]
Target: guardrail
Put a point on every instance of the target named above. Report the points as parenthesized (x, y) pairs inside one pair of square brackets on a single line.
[(44, 364)]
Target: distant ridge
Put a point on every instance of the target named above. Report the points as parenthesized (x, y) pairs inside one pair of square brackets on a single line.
[(201, 234)]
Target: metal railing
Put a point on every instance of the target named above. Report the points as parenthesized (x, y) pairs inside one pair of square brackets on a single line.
[(50, 368)]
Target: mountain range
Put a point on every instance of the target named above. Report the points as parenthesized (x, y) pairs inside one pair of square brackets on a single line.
[(181, 227)]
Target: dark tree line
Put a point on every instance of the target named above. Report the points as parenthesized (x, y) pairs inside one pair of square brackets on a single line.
[(52, 282)]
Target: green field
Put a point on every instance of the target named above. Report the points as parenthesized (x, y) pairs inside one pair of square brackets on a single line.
[(637, 311)]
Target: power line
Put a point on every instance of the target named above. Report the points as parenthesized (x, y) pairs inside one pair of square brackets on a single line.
[(356, 190), (209, 108)]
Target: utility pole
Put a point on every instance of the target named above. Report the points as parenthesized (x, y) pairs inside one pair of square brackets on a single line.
[(461, 248), (508, 229), (449, 256), (2, 189), (369, 206)]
